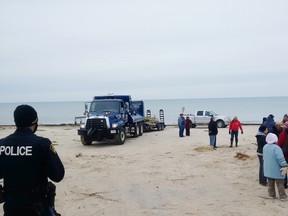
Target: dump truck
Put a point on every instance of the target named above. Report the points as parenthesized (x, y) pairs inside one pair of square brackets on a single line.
[(112, 117)]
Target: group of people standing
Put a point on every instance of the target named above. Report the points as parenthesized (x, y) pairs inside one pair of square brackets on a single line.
[(272, 151), (234, 127), (184, 125)]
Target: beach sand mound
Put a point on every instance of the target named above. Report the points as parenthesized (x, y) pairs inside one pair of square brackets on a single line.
[(203, 149), (242, 156)]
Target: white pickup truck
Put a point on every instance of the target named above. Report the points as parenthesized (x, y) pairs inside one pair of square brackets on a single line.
[(202, 117)]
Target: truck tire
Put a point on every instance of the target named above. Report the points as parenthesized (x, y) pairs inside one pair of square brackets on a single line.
[(220, 123), (158, 126), (136, 130), (121, 137), (85, 140), (141, 129)]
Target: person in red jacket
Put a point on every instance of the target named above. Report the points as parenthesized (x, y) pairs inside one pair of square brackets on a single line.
[(234, 127), (283, 142)]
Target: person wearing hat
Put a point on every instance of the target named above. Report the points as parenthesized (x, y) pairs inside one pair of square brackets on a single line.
[(27, 161), (270, 123), (275, 167)]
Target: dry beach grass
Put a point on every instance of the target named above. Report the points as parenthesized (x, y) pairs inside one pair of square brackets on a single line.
[(159, 174)]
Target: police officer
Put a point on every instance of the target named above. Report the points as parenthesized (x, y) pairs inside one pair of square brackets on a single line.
[(26, 163)]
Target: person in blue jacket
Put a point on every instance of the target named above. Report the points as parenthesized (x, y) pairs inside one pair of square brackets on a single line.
[(27, 161), (181, 125), (274, 162)]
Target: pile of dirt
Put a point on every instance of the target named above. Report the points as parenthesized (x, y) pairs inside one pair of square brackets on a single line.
[(242, 156), (203, 149)]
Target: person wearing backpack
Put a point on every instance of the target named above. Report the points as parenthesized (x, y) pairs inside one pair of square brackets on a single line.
[(283, 143)]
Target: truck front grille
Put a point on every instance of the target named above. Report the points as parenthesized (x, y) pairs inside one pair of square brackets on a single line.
[(96, 123)]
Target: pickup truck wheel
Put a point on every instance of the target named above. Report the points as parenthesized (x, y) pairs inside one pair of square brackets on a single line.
[(121, 137), (85, 140), (220, 123)]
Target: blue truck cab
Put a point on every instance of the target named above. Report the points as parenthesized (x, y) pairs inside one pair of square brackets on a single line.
[(112, 117)]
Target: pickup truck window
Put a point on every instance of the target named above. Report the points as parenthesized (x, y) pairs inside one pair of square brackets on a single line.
[(207, 113), (200, 113)]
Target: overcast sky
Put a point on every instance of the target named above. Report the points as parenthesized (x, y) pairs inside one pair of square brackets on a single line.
[(66, 50)]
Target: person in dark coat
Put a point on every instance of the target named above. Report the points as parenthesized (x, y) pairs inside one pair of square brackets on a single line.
[(188, 125), (260, 137), (26, 163), (213, 131)]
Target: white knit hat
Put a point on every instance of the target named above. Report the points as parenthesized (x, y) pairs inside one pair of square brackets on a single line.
[(271, 138)]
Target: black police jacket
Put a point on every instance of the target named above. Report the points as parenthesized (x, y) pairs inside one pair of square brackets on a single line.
[(27, 161)]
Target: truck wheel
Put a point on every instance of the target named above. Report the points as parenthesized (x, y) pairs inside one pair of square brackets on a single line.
[(141, 129), (136, 130), (220, 124), (158, 126), (121, 137), (85, 140)]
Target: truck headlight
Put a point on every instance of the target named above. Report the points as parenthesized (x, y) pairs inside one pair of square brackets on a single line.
[(114, 125), (82, 126)]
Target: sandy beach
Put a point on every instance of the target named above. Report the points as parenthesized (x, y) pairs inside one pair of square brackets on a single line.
[(159, 174)]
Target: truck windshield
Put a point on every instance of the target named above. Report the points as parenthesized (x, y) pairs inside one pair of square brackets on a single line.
[(105, 106)]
